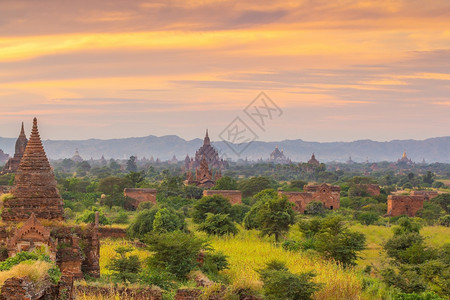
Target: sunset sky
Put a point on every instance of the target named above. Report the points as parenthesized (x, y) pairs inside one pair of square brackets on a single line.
[(339, 70)]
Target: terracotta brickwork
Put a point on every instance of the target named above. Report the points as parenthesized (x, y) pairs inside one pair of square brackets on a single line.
[(203, 175), (404, 205), (34, 187), (211, 155), (75, 249), (235, 197), (125, 293), (140, 195), (327, 194), (4, 189), (23, 288), (112, 232)]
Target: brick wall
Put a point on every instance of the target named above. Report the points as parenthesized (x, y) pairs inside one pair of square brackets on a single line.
[(404, 205), (111, 232), (327, 194)]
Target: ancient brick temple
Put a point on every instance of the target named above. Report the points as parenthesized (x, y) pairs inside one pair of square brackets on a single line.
[(313, 161), (203, 175), (12, 164), (208, 151), (34, 189), (277, 156), (329, 195), (35, 198), (404, 205)]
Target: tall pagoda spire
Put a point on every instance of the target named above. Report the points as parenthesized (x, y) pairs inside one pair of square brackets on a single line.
[(206, 141), (22, 131), (13, 163), (34, 187)]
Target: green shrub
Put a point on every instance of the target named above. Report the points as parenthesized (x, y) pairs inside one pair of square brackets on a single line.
[(125, 267), (218, 224), (167, 220), (215, 204), (142, 223), (120, 218), (176, 252), (444, 221), (213, 262), (88, 216), (279, 283), (414, 296)]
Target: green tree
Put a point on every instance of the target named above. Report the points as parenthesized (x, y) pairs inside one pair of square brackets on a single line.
[(226, 183), (368, 218), (297, 184), (254, 185), (443, 200), (176, 252), (135, 178), (167, 220), (113, 185), (216, 204), (171, 185), (124, 267), (142, 223), (275, 216), (279, 283), (88, 216), (331, 237), (315, 208), (131, 164), (218, 224)]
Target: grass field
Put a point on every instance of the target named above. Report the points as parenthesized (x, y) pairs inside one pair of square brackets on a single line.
[(247, 252), (435, 236)]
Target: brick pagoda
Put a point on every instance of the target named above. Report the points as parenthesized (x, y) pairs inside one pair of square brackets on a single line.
[(34, 188), (12, 164)]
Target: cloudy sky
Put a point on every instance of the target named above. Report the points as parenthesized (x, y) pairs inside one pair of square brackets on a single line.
[(338, 70)]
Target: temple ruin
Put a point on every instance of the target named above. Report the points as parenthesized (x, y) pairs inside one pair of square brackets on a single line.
[(329, 195), (35, 198), (408, 205), (12, 164), (210, 154), (34, 189)]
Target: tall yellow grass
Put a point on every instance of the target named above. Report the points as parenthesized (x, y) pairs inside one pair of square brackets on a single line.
[(35, 270), (247, 253), (107, 252), (376, 236)]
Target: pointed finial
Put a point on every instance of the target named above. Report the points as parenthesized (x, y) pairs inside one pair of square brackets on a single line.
[(34, 122), (206, 141), (22, 130)]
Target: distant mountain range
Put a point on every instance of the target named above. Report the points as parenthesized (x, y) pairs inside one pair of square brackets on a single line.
[(164, 147)]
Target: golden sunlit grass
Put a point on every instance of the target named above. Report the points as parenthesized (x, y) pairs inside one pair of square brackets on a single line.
[(247, 253), (376, 236), (35, 270), (107, 252)]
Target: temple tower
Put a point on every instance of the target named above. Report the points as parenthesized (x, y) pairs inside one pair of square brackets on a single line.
[(13, 163), (34, 189)]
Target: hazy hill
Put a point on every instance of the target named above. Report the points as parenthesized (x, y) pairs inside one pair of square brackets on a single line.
[(434, 149)]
